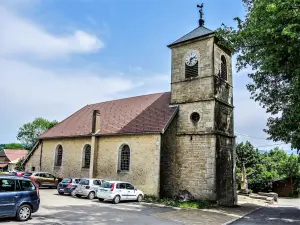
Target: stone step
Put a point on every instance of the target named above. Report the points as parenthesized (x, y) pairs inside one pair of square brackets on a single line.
[(270, 194), (261, 197)]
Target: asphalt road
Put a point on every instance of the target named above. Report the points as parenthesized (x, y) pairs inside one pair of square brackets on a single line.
[(56, 209), (286, 212)]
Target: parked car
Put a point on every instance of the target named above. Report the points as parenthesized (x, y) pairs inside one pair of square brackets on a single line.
[(17, 173), (43, 179), (88, 187), (117, 191), (68, 186), (19, 197)]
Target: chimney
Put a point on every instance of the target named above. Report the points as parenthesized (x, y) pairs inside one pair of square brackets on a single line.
[(96, 121)]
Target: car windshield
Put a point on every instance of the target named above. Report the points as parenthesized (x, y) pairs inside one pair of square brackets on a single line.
[(27, 174), (66, 180), (84, 182), (77, 181), (106, 185)]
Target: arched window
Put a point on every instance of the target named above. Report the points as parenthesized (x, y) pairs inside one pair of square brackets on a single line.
[(58, 155), (223, 68), (124, 162), (86, 156)]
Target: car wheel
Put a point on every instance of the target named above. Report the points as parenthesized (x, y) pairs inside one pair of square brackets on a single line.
[(73, 193), (91, 195), (140, 198), (100, 199), (61, 193), (24, 213), (78, 196), (116, 199)]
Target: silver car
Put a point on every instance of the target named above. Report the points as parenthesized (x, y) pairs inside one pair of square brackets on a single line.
[(88, 187)]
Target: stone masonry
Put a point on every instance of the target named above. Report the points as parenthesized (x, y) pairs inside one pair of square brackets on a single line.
[(199, 157)]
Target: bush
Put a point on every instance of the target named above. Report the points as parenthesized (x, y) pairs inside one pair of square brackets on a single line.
[(260, 186), (197, 204)]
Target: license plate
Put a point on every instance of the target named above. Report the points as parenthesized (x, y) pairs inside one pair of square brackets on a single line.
[(61, 189)]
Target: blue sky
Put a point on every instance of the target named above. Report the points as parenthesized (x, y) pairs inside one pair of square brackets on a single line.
[(58, 56)]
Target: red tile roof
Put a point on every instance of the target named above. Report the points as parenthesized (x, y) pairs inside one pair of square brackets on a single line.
[(13, 154), (3, 165), (141, 114)]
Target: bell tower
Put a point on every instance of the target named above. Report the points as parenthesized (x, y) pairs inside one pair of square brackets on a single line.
[(201, 88)]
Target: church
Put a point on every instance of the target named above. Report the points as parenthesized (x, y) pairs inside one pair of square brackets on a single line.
[(163, 143)]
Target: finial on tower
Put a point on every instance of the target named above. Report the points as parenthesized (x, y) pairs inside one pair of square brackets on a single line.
[(201, 20)]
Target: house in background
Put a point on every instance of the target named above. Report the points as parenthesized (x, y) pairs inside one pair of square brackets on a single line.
[(10, 157)]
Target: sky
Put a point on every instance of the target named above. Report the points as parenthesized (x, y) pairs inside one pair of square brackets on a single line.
[(58, 56)]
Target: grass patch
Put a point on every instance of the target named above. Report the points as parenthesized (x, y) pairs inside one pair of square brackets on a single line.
[(199, 204)]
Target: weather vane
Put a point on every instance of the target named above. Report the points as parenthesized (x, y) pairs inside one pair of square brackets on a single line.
[(201, 20)]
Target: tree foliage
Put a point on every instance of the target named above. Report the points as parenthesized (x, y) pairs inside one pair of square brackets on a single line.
[(19, 165), (263, 168), (13, 146), (246, 154), (29, 132), (268, 41)]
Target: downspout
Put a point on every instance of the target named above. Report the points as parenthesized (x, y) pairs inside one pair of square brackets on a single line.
[(94, 143), (41, 155)]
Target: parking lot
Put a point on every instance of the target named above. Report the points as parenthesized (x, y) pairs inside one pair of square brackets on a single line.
[(56, 209)]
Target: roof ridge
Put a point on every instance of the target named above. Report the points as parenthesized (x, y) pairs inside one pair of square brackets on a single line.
[(130, 97)]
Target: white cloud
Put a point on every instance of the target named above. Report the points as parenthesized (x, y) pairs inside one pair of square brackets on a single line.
[(28, 91), (20, 36)]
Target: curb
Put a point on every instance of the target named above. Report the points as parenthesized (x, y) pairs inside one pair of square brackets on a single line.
[(161, 205), (233, 220)]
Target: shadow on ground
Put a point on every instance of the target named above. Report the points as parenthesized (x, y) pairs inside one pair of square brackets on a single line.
[(272, 215), (96, 213)]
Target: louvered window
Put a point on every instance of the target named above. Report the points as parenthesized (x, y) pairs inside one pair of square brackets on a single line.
[(191, 71), (86, 156), (124, 163), (59, 154), (223, 68)]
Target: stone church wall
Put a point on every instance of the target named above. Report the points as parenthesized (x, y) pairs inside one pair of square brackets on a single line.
[(223, 90), (206, 112), (144, 160), (188, 163), (34, 160), (71, 160), (225, 169), (201, 87), (169, 170)]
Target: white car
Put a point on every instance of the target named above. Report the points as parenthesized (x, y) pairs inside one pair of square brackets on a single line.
[(88, 187), (117, 191)]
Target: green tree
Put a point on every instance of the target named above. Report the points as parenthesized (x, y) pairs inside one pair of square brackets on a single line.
[(29, 132), (291, 168), (14, 146), (267, 41), (246, 154), (19, 165)]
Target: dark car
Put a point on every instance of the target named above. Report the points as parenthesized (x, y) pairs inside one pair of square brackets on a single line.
[(68, 186), (19, 197)]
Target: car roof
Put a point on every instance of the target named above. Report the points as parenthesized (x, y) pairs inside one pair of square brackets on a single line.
[(118, 181), (90, 178), (14, 177)]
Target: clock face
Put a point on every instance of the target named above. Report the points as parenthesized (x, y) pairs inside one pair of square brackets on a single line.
[(191, 58)]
